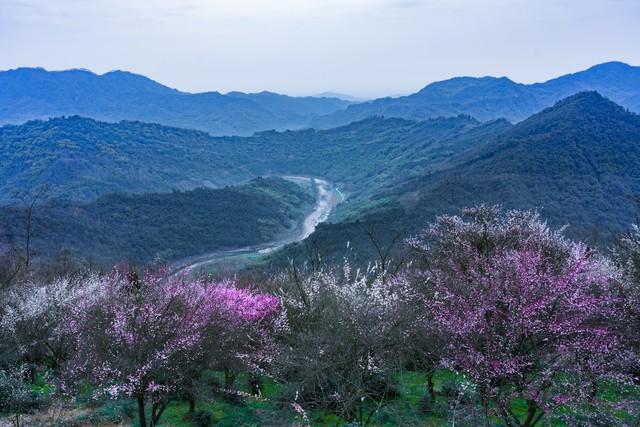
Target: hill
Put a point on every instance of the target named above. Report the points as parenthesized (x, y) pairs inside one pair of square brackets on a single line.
[(35, 93), (488, 98), (82, 159), (162, 226), (574, 161), (578, 162)]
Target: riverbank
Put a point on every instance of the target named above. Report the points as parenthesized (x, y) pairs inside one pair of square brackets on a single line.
[(327, 197)]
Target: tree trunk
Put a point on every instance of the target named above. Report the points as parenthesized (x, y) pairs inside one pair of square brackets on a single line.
[(593, 392), (431, 386), (485, 408), (229, 379), (532, 418), (156, 413), (192, 404), (141, 415)]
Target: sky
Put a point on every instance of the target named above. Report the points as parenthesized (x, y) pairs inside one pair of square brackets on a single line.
[(366, 48)]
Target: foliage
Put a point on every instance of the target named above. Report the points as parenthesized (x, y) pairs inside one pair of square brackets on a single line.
[(627, 257), (495, 319), (34, 317), (525, 312), (162, 227), (145, 338), (16, 396), (342, 349)]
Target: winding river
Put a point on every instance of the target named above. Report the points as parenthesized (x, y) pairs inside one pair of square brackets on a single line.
[(327, 197)]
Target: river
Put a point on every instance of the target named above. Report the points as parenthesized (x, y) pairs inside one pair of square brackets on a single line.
[(327, 197)]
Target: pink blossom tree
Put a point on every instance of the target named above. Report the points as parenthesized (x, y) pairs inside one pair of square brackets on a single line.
[(241, 333), (525, 312), (146, 338)]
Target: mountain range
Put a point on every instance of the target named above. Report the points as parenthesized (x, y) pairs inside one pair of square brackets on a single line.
[(81, 159), (35, 93), (577, 161), (573, 161), (488, 98)]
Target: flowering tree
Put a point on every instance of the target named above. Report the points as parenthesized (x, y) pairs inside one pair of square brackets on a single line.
[(345, 331), (241, 333), (525, 312), (146, 338), (34, 314), (16, 396)]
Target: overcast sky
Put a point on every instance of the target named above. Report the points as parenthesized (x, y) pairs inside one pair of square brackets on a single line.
[(360, 47)]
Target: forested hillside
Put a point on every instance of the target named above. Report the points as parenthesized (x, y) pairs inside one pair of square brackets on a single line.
[(81, 159), (158, 227), (577, 163), (572, 161)]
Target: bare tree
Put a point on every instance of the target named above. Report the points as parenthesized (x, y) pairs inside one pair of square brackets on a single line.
[(28, 202), (387, 263)]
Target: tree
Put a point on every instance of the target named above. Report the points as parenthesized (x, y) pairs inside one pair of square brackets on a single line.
[(627, 257), (29, 202), (345, 328), (145, 338), (11, 264), (240, 335), (16, 396), (525, 312), (35, 315)]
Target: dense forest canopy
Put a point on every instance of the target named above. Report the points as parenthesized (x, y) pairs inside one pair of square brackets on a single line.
[(160, 227)]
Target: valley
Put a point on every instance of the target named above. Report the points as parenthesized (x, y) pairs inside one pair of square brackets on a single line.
[(463, 255), (327, 198)]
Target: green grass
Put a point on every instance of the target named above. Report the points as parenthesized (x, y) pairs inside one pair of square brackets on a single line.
[(409, 408)]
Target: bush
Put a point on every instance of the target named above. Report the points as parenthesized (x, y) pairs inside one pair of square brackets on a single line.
[(16, 395)]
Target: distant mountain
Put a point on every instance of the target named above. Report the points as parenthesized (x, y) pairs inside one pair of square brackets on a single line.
[(35, 93), (489, 98), (162, 226), (344, 96)]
